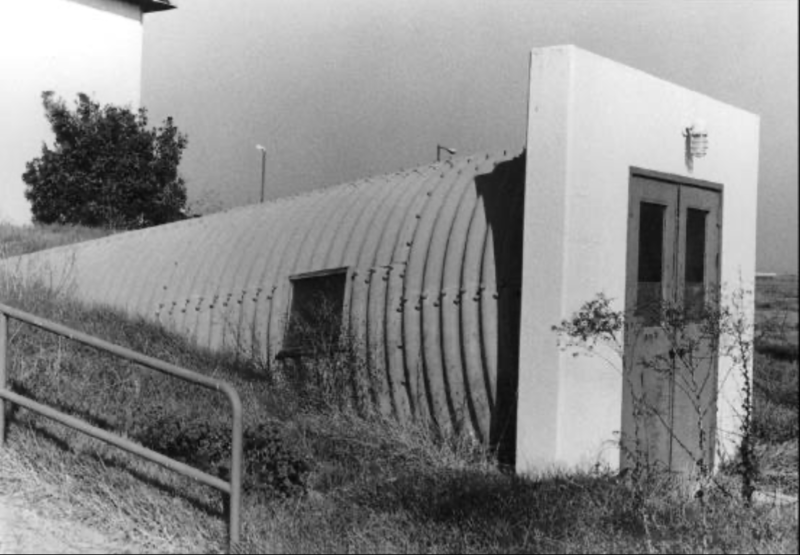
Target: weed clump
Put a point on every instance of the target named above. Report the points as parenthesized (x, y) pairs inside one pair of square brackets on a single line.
[(273, 466)]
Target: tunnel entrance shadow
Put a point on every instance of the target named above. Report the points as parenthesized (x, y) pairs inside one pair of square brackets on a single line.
[(503, 194)]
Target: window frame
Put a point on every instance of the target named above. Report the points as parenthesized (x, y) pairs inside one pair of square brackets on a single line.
[(298, 352), (675, 179)]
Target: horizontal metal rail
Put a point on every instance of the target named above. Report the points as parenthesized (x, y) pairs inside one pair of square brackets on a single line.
[(233, 488)]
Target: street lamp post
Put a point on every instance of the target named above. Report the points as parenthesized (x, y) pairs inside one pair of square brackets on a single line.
[(263, 167)]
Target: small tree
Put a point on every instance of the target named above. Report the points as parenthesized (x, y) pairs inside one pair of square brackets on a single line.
[(106, 168)]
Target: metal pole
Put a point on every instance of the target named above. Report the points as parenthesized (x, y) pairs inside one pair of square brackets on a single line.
[(234, 488), (263, 166), (235, 507), (3, 377), (118, 441)]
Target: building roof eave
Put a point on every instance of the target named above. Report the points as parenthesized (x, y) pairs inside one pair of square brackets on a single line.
[(149, 6)]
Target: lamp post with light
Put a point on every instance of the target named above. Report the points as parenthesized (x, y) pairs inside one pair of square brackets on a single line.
[(263, 167)]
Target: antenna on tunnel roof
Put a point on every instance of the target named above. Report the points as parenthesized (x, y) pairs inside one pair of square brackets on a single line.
[(440, 148)]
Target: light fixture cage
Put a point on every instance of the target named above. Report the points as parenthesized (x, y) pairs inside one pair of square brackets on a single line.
[(698, 143)]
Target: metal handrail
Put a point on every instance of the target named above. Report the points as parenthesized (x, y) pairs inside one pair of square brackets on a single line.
[(233, 487)]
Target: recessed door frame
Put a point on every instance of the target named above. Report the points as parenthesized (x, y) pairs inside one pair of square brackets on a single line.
[(643, 188)]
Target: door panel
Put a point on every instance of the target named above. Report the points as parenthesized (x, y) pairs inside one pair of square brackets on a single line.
[(652, 239), (697, 291)]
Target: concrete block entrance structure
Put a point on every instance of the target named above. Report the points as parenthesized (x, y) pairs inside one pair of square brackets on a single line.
[(452, 275), (592, 125)]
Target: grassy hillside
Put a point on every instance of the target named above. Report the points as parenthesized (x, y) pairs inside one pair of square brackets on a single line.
[(16, 240), (324, 477), (776, 388)]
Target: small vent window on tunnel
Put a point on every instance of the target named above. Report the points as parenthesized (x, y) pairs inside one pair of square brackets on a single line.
[(315, 316)]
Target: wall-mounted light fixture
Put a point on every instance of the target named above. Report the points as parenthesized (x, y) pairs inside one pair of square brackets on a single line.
[(696, 139), (440, 148)]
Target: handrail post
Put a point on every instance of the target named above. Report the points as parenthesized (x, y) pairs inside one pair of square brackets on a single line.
[(3, 375), (234, 488), (236, 470)]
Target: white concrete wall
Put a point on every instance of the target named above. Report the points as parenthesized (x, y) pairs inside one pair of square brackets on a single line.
[(91, 46), (591, 119)]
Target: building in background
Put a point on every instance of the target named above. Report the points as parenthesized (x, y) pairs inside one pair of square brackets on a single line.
[(64, 46)]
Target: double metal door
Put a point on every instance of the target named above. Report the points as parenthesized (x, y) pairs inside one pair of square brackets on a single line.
[(670, 362)]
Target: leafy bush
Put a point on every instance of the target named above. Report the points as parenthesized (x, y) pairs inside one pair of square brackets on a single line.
[(106, 168), (273, 466)]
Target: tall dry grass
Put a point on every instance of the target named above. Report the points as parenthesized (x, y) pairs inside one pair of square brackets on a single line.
[(372, 484), (17, 240)]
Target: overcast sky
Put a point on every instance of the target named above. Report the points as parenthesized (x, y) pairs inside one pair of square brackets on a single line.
[(339, 90)]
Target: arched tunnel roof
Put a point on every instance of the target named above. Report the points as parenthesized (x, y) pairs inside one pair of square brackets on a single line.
[(433, 259)]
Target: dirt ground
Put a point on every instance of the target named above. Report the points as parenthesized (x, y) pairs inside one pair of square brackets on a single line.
[(23, 530)]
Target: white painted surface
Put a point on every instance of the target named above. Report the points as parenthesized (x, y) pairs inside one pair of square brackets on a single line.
[(67, 47), (590, 120)]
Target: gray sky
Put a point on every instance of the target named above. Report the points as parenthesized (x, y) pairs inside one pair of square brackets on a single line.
[(339, 90)]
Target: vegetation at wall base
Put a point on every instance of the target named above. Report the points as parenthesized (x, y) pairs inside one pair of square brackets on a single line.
[(106, 168), (356, 482)]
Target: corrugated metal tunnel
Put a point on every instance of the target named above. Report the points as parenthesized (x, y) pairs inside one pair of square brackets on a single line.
[(429, 270)]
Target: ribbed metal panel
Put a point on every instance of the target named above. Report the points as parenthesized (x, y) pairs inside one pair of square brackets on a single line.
[(434, 256)]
